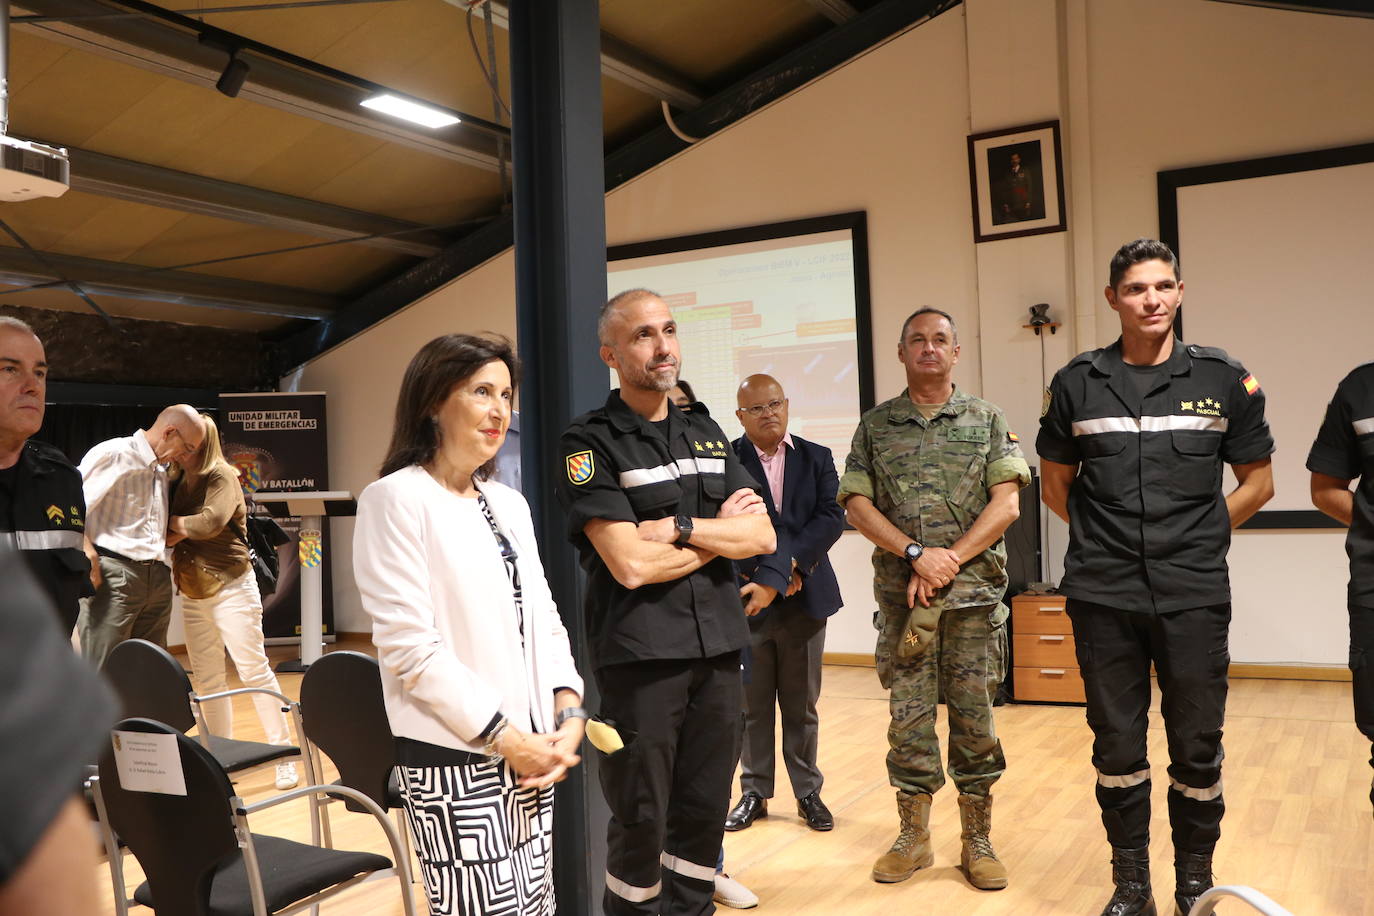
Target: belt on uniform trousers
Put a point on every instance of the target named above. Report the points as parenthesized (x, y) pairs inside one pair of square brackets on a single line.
[(110, 554)]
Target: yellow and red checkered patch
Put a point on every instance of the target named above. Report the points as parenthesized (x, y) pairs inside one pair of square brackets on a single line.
[(1250, 383), (580, 467)]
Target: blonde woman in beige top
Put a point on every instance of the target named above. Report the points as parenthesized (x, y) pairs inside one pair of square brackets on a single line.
[(219, 592)]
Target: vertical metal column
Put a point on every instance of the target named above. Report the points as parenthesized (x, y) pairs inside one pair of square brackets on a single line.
[(560, 266)]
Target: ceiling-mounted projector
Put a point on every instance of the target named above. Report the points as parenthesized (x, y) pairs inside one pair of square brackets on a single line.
[(29, 170)]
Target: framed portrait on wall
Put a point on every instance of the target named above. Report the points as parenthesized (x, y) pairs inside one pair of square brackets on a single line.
[(1016, 180)]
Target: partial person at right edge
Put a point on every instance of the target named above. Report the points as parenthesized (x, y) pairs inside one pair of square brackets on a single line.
[(1344, 452), (788, 596), (1132, 441)]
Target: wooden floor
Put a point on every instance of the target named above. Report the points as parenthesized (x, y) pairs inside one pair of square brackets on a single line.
[(1298, 825)]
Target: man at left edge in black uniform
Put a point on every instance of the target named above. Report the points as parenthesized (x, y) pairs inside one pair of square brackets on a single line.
[(658, 505), (42, 511)]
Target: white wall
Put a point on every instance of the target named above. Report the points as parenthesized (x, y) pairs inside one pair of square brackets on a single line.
[(1138, 88)]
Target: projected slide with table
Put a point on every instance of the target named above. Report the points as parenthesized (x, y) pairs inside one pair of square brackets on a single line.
[(783, 306)]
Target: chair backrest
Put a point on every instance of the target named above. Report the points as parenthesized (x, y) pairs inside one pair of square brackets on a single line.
[(177, 839), (151, 684), (344, 715)]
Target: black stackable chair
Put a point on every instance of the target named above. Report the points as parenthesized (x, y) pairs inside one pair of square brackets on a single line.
[(152, 684), (200, 856), (343, 715)]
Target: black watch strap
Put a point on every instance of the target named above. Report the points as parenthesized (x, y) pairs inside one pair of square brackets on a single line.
[(684, 530)]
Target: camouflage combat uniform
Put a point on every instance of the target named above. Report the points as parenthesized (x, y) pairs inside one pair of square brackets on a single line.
[(931, 479)]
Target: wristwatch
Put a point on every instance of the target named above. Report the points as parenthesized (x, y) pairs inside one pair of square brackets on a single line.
[(913, 552), (569, 712), (684, 530)]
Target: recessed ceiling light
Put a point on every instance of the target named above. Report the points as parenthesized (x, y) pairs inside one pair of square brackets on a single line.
[(410, 111)]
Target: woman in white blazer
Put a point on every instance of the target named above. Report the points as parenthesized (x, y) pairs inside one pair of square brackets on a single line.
[(480, 685)]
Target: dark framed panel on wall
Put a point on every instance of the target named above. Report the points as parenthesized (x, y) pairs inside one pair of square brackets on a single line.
[(789, 299), (1270, 248), (1016, 182)]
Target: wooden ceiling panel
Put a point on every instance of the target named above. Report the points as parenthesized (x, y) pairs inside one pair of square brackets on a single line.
[(30, 57), (66, 301), (703, 39), (77, 95), (408, 184)]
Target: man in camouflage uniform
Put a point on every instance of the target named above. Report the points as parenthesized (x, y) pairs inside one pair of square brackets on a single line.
[(933, 480)]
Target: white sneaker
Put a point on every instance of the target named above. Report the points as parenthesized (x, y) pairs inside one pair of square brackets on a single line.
[(286, 776), (731, 893)]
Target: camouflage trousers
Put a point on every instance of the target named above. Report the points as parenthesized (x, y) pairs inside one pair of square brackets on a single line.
[(965, 665)]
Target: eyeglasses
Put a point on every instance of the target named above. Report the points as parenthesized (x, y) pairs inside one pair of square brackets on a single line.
[(187, 449), (758, 410)]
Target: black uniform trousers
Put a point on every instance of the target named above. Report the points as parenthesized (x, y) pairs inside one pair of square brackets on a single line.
[(1362, 673), (1191, 656), (669, 787)]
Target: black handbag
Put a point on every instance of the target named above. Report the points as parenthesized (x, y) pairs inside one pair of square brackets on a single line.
[(262, 537)]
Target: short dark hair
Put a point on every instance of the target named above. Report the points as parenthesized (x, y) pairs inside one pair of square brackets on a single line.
[(687, 389), (628, 297), (431, 376), (1132, 253), (928, 310)]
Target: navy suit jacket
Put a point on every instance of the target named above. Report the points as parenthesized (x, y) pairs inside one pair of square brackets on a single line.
[(807, 524)]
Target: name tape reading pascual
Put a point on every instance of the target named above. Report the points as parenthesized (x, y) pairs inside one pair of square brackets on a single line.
[(272, 419)]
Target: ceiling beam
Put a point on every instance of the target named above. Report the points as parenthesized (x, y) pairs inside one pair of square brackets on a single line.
[(168, 43), (837, 11), (623, 63), (130, 281), (139, 182), (1360, 8)]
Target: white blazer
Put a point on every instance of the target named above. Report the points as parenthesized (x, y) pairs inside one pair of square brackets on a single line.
[(443, 615)]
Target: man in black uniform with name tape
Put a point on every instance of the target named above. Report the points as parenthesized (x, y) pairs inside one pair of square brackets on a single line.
[(42, 510), (1343, 452), (658, 505), (1132, 441)]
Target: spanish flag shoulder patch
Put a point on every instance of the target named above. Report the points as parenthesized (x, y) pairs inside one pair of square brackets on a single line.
[(1250, 383)]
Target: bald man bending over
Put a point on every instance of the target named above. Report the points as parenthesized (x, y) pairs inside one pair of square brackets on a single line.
[(788, 594), (125, 483)]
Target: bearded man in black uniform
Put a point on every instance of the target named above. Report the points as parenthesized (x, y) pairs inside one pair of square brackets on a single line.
[(1132, 441), (658, 505)]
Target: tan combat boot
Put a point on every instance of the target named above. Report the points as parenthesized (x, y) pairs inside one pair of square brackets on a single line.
[(911, 850), (980, 863)]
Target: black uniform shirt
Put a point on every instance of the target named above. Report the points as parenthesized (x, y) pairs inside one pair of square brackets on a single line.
[(44, 516), (1148, 525), (1345, 449), (618, 466)]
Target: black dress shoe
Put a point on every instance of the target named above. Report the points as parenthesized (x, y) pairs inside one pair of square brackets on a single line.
[(814, 812), (751, 807)]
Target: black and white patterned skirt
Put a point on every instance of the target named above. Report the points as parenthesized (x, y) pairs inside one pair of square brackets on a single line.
[(485, 844)]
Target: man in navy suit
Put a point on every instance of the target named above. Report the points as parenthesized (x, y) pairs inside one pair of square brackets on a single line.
[(787, 595)]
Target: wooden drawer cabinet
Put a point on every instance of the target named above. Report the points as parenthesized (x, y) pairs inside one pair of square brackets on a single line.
[(1046, 669)]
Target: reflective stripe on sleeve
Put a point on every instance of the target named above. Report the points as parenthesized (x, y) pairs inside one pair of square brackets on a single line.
[(1148, 425), (1362, 427), (1211, 793), (641, 477), (44, 540), (688, 869), (1139, 777), (630, 892)]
